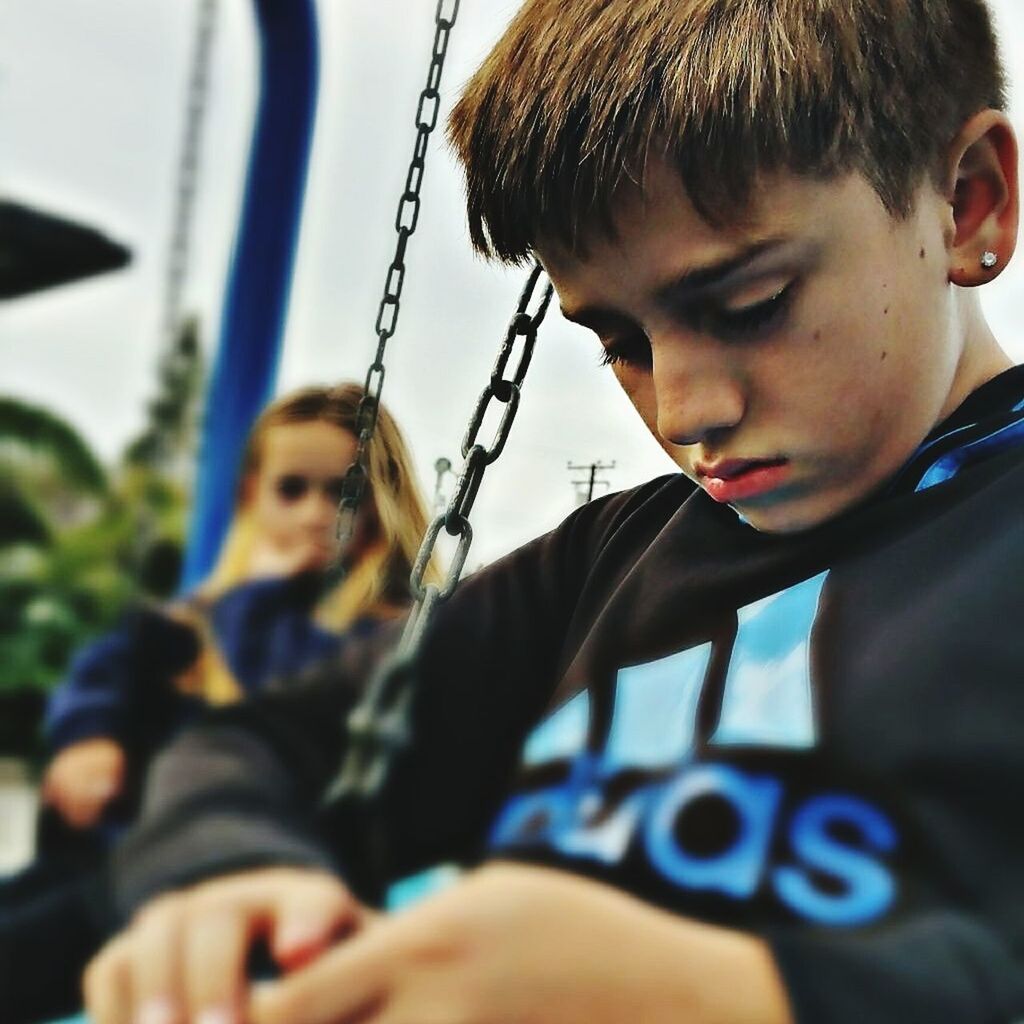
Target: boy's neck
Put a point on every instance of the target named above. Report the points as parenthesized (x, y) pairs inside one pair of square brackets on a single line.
[(982, 358)]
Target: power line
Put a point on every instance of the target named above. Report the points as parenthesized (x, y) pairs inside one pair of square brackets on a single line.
[(592, 469)]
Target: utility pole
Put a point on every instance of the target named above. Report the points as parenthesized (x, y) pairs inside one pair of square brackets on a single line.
[(591, 482), (442, 467)]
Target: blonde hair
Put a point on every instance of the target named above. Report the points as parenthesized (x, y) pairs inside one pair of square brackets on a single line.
[(375, 584), (577, 94)]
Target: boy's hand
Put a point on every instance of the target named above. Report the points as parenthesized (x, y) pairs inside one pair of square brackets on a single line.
[(514, 944), (185, 953), (83, 778)]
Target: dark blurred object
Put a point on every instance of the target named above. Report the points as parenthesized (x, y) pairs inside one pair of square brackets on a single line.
[(53, 919), (21, 718), (39, 250), (159, 568)]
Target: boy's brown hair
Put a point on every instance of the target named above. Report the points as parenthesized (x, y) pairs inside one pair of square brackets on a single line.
[(578, 93)]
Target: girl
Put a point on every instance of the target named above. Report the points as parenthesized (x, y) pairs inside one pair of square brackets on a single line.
[(263, 613)]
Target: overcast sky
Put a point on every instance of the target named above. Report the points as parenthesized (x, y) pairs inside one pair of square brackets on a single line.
[(92, 96)]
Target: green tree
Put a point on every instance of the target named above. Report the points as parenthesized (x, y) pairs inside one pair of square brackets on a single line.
[(57, 582), (78, 542)]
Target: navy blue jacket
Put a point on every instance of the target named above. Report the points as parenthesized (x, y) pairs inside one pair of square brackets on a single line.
[(122, 686)]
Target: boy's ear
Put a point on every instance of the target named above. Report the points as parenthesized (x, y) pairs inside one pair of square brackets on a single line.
[(982, 188)]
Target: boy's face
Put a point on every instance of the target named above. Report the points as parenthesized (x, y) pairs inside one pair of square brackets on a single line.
[(789, 365)]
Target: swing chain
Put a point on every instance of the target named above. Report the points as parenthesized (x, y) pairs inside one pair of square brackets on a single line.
[(427, 113), (379, 726), (455, 519)]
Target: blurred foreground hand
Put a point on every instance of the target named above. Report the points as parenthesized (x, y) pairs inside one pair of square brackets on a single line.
[(184, 956), (83, 778), (513, 944), (509, 944)]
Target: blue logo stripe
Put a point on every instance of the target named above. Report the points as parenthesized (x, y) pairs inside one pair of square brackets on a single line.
[(656, 711), (768, 699)]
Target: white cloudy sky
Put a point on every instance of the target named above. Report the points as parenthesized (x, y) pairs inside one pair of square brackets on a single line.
[(91, 108)]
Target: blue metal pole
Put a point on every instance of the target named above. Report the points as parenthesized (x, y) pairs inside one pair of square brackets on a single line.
[(259, 281)]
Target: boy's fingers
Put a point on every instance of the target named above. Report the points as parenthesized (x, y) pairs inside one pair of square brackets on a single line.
[(213, 966), (105, 986), (185, 956), (156, 959), (160, 1010), (307, 919), (338, 988)]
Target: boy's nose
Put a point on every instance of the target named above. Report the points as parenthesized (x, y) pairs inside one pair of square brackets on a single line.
[(695, 397)]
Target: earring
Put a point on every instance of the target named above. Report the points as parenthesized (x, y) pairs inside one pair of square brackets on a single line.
[(989, 259)]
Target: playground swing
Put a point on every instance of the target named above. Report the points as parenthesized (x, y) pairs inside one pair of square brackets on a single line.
[(378, 727)]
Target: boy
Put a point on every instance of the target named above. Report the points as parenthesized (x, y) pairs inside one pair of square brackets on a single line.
[(743, 744)]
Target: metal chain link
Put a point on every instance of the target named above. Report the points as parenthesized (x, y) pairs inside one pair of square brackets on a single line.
[(378, 728), (427, 113), (188, 172)]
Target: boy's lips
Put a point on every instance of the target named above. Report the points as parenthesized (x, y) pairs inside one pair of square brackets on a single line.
[(732, 480)]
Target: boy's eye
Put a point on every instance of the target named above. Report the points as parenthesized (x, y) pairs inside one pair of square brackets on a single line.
[(733, 324), (727, 324), (634, 350)]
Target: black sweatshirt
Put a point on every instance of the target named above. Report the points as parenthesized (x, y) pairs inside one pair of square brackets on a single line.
[(818, 738)]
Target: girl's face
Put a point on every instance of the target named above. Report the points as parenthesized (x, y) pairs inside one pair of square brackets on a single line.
[(294, 493)]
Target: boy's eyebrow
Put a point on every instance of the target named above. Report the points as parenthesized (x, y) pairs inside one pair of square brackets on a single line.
[(695, 280), (703, 278)]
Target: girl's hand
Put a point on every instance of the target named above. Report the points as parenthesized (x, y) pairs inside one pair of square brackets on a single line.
[(517, 944), (301, 555), (82, 780), (183, 958)]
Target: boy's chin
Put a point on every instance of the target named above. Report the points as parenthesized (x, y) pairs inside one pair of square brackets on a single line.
[(797, 515)]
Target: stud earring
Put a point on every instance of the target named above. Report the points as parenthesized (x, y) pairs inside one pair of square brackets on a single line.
[(989, 259)]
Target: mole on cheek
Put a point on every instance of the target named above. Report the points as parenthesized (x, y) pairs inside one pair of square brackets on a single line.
[(923, 253), (885, 355), (817, 335), (886, 311)]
